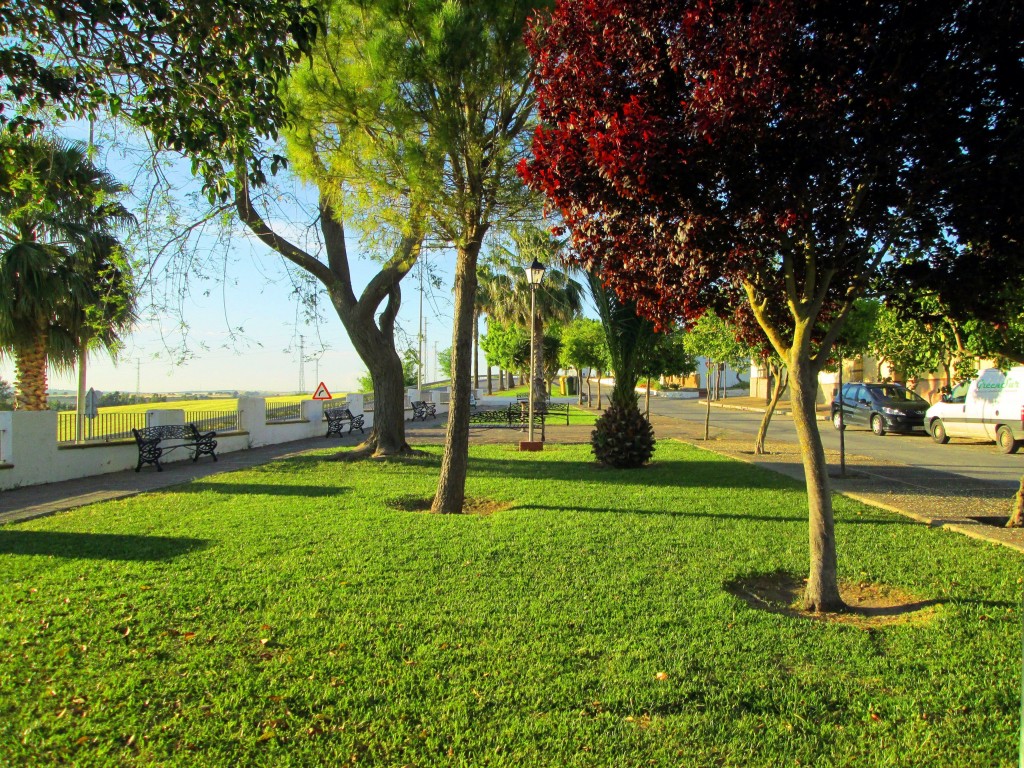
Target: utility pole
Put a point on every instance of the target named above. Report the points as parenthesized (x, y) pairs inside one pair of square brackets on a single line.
[(437, 373), (422, 331), (302, 363), (138, 377)]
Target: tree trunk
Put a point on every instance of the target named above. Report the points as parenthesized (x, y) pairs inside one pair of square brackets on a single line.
[(377, 350), (451, 485), (372, 335), (1017, 513), (707, 415), (769, 411), (599, 373), (490, 390), (30, 373), (476, 349), (822, 592), (647, 400)]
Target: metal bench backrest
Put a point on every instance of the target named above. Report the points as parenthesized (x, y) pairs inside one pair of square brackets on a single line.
[(166, 432)]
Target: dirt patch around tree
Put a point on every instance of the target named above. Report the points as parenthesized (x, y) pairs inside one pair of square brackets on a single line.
[(479, 507), (871, 606)]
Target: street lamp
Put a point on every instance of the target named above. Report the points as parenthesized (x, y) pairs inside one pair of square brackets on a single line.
[(534, 274)]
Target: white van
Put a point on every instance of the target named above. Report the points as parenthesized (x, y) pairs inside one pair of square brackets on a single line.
[(991, 407)]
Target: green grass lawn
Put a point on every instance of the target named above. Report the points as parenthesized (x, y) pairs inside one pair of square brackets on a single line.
[(294, 614)]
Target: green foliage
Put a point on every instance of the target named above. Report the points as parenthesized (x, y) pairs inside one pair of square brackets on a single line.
[(713, 338), (364, 383), (410, 367), (629, 339), (202, 78), (444, 361), (584, 345), (859, 330), (507, 346), (65, 283), (669, 357), (622, 437)]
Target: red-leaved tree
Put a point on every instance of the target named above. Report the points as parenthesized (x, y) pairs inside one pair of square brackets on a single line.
[(788, 149)]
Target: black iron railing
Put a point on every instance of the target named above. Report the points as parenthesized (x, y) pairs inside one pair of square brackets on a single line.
[(102, 428), (278, 412), (213, 421)]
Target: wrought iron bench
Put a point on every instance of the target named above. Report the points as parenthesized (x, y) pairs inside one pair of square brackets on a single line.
[(337, 418), (154, 442), (500, 417), (545, 407), (423, 410)]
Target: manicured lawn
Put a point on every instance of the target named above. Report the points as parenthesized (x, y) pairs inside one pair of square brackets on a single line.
[(294, 615)]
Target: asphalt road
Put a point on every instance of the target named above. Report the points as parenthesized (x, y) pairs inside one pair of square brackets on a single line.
[(976, 460)]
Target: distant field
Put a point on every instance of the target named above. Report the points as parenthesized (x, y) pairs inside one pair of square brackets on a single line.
[(206, 404), (116, 422)]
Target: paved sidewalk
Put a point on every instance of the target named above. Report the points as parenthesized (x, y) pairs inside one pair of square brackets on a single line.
[(934, 498), (38, 500)]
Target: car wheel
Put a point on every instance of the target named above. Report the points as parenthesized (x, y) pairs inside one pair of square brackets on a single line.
[(1005, 441), (938, 431), (878, 425), (837, 421)]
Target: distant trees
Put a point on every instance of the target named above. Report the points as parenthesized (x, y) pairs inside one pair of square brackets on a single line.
[(715, 340), (584, 347), (668, 357)]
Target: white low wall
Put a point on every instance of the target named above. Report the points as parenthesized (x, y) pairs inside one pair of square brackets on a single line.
[(30, 455)]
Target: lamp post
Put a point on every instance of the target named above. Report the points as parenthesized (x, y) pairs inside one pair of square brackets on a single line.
[(534, 274)]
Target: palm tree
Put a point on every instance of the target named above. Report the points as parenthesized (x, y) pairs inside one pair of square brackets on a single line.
[(559, 297), (65, 284)]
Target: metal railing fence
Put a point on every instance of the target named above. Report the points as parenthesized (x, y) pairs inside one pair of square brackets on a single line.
[(103, 428), (278, 412), (213, 421)]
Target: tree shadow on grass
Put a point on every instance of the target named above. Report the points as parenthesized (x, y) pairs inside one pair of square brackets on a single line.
[(262, 489), (669, 474), (869, 605), (96, 546), (880, 520)]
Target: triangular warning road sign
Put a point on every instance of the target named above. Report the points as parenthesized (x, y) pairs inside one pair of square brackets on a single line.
[(322, 393)]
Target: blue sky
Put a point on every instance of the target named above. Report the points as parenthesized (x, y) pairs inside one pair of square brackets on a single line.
[(244, 323)]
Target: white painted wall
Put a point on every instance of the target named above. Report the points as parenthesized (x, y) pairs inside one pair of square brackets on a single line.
[(29, 454)]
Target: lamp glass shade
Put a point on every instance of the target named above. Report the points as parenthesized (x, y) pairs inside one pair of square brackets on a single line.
[(535, 273)]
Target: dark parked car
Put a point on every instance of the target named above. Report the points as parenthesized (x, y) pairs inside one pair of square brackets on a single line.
[(881, 407)]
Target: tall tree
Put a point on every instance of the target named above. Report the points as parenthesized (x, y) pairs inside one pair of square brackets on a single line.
[(686, 143), (65, 284), (354, 138), (622, 436), (466, 75)]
